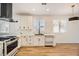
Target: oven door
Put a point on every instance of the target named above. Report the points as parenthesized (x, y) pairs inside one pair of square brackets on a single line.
[(10, 46)]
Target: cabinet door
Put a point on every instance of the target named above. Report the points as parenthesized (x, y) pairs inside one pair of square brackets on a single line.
[(30, 41), (36, 41), (1, 48), (23, 41), (41, 41), (23, 25), (1, 45), (30, 25), (19, 42), (1, 52)]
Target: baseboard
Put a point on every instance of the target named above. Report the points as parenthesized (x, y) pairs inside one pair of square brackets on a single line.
[(52, 45), (32, 46), (67, 43)]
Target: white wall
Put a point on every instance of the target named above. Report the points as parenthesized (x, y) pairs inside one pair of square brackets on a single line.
[(71, 36), (14, 27)]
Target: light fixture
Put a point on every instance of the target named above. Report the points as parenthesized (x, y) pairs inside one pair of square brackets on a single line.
[(33, 9), (74, 17), (47, 9), (43, 3)]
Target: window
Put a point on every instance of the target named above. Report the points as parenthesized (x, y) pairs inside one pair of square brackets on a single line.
[(55, 26), (39, 25), (59, 26)]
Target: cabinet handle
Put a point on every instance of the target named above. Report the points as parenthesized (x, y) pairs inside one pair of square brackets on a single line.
[(39, 39)]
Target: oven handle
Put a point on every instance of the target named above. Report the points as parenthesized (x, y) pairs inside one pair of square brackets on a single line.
[(10, 42)]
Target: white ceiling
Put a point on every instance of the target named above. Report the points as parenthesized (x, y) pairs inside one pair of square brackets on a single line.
[(38, 9)]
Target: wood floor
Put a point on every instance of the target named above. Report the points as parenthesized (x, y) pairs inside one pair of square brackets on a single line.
[(59, 50)]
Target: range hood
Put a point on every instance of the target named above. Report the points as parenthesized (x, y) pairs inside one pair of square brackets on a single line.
[(8, 19), (6, 12), (73, 18)]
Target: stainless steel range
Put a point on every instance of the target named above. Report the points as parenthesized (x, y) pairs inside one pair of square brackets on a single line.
[(8, 45)]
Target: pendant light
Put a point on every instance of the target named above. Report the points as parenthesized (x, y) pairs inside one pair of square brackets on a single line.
[(43, 3), (74, 17)]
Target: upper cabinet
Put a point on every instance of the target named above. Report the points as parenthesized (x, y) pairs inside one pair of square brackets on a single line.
[(26, 26), (6, 10)]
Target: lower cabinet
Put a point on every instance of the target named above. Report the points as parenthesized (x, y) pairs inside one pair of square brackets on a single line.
[(30, 41), (37, 40), (25, 41), (22, 41), (1, 52), (1, 49)]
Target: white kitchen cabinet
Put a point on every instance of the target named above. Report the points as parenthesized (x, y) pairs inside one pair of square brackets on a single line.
[(39, 40), (36, 41), (33, 40), (26, 41), (30, 41), (1, 44), (1, 48), (23, 41), (1, 52), (19, 42), (26, 26)]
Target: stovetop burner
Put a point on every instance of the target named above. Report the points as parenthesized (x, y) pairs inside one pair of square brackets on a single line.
[(6, 37)]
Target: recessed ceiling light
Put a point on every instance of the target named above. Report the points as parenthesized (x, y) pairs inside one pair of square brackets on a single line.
[(33, 9), (47, 9)]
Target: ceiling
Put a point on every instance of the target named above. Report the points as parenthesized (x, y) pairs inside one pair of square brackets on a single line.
[(49, 9)]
